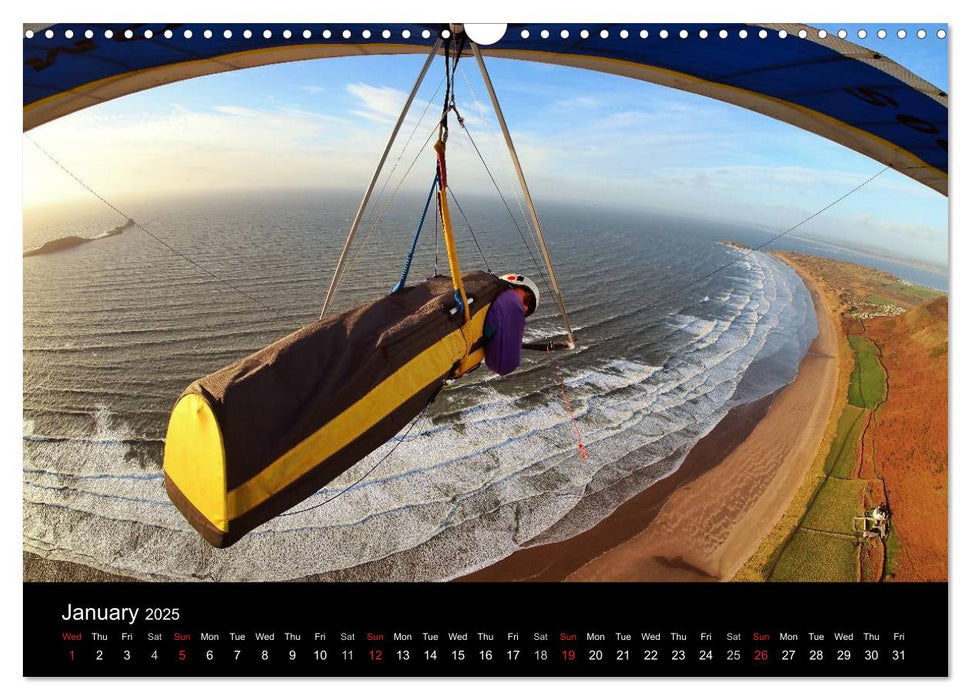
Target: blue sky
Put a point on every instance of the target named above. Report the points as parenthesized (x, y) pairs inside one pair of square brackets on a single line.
[(582, 136)]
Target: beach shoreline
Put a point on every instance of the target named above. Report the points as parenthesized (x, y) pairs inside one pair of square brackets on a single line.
[(705, 520)]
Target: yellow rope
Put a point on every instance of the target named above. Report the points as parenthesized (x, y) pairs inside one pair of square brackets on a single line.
[(453, 257)]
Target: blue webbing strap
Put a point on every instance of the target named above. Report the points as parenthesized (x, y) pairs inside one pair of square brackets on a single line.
[(414, 243)]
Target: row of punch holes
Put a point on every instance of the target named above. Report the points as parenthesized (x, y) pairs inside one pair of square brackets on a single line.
[(525, 34)]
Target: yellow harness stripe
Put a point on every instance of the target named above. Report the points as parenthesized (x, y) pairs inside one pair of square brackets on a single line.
[(374, 407)]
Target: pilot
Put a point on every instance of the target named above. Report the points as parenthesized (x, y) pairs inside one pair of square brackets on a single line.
[(505, 323)]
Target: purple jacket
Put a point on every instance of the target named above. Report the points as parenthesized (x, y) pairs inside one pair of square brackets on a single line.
[(505, 323)]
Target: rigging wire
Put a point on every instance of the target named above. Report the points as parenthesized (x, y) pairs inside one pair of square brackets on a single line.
[(495, 184), (441, 127), (370, 471), (509, 181), (404, 148), (149, 233), (380, 217), (812, 216), (474, 239), (581, 447)]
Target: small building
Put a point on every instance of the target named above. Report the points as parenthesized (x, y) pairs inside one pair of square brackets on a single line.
[(873, 523)]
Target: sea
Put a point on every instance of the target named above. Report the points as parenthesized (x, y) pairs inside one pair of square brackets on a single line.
[(673, 330)]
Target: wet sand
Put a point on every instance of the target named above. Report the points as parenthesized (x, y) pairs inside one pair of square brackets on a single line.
[(703, 522), (57, 571)]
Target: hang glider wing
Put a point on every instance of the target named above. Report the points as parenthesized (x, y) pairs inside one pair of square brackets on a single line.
[(828, 86)]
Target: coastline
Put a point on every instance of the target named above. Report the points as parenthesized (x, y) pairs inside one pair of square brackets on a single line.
[(703, 522)]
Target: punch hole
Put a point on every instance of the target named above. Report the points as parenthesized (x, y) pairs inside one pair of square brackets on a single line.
[(783, 33), (69, 34), (49, 33), (565, 34), (366, 33), (445, 34), (803, 33), (207, 34), (524, 34), (327, 34), (228, 34), (604, 34), (921, 34), (703, 34), (267, 34), (485, 34), (129, 34), (723, 34), (109, 33), (624, 34), (346, 34), (247, 34), (29, 34), (584, 34), (861, 34), (822, 34), (663, 34), (683, 33), (842, 34), (307, 34), (901, 33), (406, 34), (545, 34), (148, 34), (941, 34), (881, 33), (643, 34), (386, 34), (763, 34), (287, 33), (426, 34), (742, 34)]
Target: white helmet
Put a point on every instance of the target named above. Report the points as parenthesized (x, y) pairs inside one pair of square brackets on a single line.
[(516, 280)]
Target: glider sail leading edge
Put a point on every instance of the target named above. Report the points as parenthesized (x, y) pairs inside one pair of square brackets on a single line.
[(829, 86)]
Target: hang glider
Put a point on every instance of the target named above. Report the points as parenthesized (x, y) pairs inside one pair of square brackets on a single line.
[(255, 438), (250, 441), (829, 86)]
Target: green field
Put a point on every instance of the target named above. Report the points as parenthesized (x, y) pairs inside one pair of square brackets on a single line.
[(893, 550), (813, 556), (834, 507), (903, 289), (841, 460), (881, 300), (868, 382)]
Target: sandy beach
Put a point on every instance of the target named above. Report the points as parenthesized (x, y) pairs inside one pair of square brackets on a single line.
[(704, 521)]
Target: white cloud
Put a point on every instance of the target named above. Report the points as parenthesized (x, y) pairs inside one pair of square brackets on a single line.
[(382, 104)]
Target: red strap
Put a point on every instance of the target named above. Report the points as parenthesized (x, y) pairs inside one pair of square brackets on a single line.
[(440, 156), (569, 407)]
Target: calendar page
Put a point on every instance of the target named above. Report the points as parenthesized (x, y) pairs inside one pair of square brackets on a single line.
[(493, 350)]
